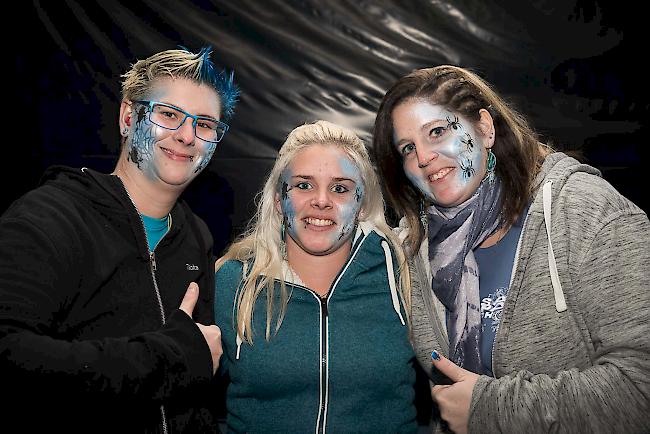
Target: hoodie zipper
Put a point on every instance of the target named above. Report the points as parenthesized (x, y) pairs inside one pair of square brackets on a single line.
[(324, 377), (153, 267), (512, 278), (324, 340)]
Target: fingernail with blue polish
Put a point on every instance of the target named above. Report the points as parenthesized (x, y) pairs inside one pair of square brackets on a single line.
[(435, 355)]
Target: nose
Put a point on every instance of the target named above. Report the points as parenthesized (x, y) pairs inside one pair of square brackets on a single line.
[(425, 155), (321, 199), (185, 133)]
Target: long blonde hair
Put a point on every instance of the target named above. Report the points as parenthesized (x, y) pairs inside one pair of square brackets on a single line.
[(260, 245)]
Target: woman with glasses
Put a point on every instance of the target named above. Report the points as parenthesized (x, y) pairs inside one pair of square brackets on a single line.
[(311, 299), (95, 266), (531, 270)]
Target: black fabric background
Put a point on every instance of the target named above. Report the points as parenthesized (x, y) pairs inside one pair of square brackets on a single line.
[(572, 66)]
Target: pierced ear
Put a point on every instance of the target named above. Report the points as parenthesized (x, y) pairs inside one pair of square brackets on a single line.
[(486, 126), (125, 114)]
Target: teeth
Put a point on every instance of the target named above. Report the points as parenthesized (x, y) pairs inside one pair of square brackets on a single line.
[(439, 174), (318, 222)]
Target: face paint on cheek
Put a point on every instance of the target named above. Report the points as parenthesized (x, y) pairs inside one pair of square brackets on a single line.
[(469, 158), (358, 194), (350, 211), (420, 183), (141, 146), (205, 156), (347, 219), (288, 210), (463, 148)]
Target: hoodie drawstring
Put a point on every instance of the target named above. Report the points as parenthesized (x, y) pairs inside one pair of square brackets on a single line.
[(560, 302), (240, 333), (391, 280)]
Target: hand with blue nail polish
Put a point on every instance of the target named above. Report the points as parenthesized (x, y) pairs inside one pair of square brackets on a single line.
[(453, 400)]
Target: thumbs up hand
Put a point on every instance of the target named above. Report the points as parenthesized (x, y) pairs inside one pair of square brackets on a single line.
[(211, 334), (454, 399)]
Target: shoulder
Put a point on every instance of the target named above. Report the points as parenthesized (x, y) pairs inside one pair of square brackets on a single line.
[(229, 273), (579, 191), (588, 198), (47, 210)]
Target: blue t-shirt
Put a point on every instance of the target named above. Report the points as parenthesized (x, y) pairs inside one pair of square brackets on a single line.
[(495, 267), (155, 228)]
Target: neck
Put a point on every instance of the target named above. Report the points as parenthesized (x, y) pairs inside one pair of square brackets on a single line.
[(494, 238), (148, 196), (317, 272)]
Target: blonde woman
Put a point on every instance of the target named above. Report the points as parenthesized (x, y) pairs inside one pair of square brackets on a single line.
[(310, 300)]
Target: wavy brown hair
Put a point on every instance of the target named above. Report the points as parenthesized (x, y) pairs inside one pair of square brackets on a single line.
[(516, 146)]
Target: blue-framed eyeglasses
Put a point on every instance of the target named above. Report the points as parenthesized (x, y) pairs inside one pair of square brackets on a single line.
[(171, 118)]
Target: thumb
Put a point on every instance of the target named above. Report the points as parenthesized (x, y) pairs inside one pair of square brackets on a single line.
[(454, 372), (189, 300)]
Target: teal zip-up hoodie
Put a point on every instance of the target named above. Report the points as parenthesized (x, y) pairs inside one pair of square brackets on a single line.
[(337, 364)]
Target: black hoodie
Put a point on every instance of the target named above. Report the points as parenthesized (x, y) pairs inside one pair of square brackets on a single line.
[(91, 337)]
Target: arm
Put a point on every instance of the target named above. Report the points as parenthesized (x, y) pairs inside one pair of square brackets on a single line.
[(38, 286), (613, 395)]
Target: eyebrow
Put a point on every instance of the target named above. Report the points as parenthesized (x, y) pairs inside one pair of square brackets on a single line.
[(422, 128), (338, 179), (182, 109)]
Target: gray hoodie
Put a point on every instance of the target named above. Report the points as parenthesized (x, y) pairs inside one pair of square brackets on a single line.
[(572, 352)]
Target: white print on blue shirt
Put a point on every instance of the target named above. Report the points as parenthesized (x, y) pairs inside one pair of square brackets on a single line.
[(492, 307)]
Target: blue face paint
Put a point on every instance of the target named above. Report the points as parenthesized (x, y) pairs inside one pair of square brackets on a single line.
[(147, 137), (288, 211), (141, 145), (350, 210)]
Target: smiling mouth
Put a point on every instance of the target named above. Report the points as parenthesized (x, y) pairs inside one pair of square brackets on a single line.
[(176, 156), (319, 222), (440, 174)]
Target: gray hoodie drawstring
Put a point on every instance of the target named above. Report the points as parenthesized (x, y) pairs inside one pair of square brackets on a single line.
[(560, 302)]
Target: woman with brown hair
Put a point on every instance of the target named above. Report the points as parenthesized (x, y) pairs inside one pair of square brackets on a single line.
[(529, 270)]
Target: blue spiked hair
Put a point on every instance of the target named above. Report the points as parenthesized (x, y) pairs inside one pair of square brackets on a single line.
[(222, 82), (181, 63)]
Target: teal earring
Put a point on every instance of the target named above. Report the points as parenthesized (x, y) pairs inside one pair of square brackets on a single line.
[(491, 165)]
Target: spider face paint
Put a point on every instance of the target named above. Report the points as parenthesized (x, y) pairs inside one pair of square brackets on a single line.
[(173, 157), (320, 193), (443, 154)]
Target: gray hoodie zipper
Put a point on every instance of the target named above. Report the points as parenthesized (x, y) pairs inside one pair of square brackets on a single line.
[(512, 278)]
